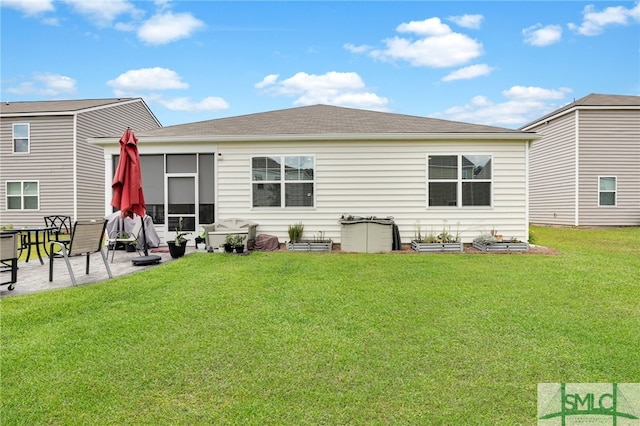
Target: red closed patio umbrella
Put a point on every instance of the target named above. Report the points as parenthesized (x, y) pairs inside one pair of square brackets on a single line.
[(127, 189)]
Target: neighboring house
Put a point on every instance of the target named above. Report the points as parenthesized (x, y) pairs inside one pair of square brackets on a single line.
[(585, 169), (313, 164), (46, 165)]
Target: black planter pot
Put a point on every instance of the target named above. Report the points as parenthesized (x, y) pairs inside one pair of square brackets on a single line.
[(239, 249), (228, 248), (175, 250), (131, 248)]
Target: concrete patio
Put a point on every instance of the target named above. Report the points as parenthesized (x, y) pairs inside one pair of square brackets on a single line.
[(34, 277)]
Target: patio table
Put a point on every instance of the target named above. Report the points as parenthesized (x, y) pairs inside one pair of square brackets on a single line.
[(26, 241)]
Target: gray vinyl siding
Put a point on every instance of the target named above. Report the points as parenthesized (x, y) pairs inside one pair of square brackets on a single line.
[(91, 173), (610, 146), (377, 179), (552, 183), (50, 162)]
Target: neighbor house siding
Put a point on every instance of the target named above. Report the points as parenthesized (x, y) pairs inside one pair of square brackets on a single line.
[(552, 183), (50, 162), (380, 179), (610, 146), (102, 122)]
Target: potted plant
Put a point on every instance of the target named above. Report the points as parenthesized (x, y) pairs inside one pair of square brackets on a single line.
[(178, 245), (238, 241), (229, 241)]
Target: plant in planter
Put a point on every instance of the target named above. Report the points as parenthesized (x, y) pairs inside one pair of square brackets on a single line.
[(178, 245), (488, 242), (318, 243), (238, 243), (444, 241), (229, 242)]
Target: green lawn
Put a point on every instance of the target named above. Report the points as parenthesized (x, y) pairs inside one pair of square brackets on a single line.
[(328, 338)]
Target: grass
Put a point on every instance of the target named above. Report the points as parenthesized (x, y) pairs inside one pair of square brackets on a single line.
[(332, 338)]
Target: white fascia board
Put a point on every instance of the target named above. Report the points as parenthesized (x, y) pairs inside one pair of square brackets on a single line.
[(324, 137), (577, 108)]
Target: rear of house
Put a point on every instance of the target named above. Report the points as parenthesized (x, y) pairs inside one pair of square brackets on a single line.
[(585, 167), (46, 165), (315, 164)]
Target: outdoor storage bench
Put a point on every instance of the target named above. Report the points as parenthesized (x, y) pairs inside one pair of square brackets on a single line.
[(216, 233)]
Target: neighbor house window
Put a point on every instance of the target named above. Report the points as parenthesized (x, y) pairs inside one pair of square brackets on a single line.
[(607, 191), (459, 180), (20, 138), (283, 181), (23, 195)]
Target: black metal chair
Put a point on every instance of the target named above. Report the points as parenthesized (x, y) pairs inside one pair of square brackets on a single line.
[(9, 256), (87, 238), (62, 228)]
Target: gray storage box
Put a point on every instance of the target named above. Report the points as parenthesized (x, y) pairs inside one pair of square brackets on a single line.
[(366, 235)]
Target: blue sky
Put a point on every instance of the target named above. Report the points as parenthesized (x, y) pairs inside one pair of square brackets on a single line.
[(496, 63)]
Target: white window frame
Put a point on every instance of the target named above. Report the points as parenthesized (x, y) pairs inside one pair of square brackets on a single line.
[(283, 182), (459, 180), (14, 138), (21, 195), (614, 191)]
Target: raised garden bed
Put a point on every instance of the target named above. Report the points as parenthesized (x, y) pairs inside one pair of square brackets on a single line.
[(503, 246), (436, 247), (310, 246)]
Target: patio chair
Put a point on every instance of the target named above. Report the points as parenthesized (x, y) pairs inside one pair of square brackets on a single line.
[(62, 231), (123, 237), (87, 237)]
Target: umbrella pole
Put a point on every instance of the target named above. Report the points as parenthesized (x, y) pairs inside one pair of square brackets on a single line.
[(144, 237)]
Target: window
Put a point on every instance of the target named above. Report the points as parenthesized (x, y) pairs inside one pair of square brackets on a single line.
[(283, 181), (459, 180), (607, 191), (23, 195), (20, 138)]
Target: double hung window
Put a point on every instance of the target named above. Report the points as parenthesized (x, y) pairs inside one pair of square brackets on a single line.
[(607, 188), (459, 180), (283, 181), (22, 195), (21, 138)]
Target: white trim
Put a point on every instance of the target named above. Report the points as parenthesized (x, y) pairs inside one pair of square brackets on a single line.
[(576, 202), (576, 108), (74, 167), (324, 137)]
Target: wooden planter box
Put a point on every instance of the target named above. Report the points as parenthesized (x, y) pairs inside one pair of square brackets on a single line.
[(504, 246), (436, 247), (310, 246)]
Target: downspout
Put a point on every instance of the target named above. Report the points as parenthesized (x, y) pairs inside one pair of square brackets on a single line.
[(577, 169), (75, 167), (526, 191)]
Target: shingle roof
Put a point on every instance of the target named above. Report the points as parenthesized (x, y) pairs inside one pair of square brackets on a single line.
[(319, 119), (43, 107), (593, 100)]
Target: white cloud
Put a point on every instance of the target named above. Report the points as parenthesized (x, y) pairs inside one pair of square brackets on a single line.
[(136, 81), (102, 12), (428, 27), (167, 27), (537, 35), (45, 84), (467, 21), (211, 103), (30, 7), (468, 73), (594, 22), (267, 81), (332, 88), (439, 46), (357, 49), (521, 105)]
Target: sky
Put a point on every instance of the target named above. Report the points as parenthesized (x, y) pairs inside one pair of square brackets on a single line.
[(487, 62)]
